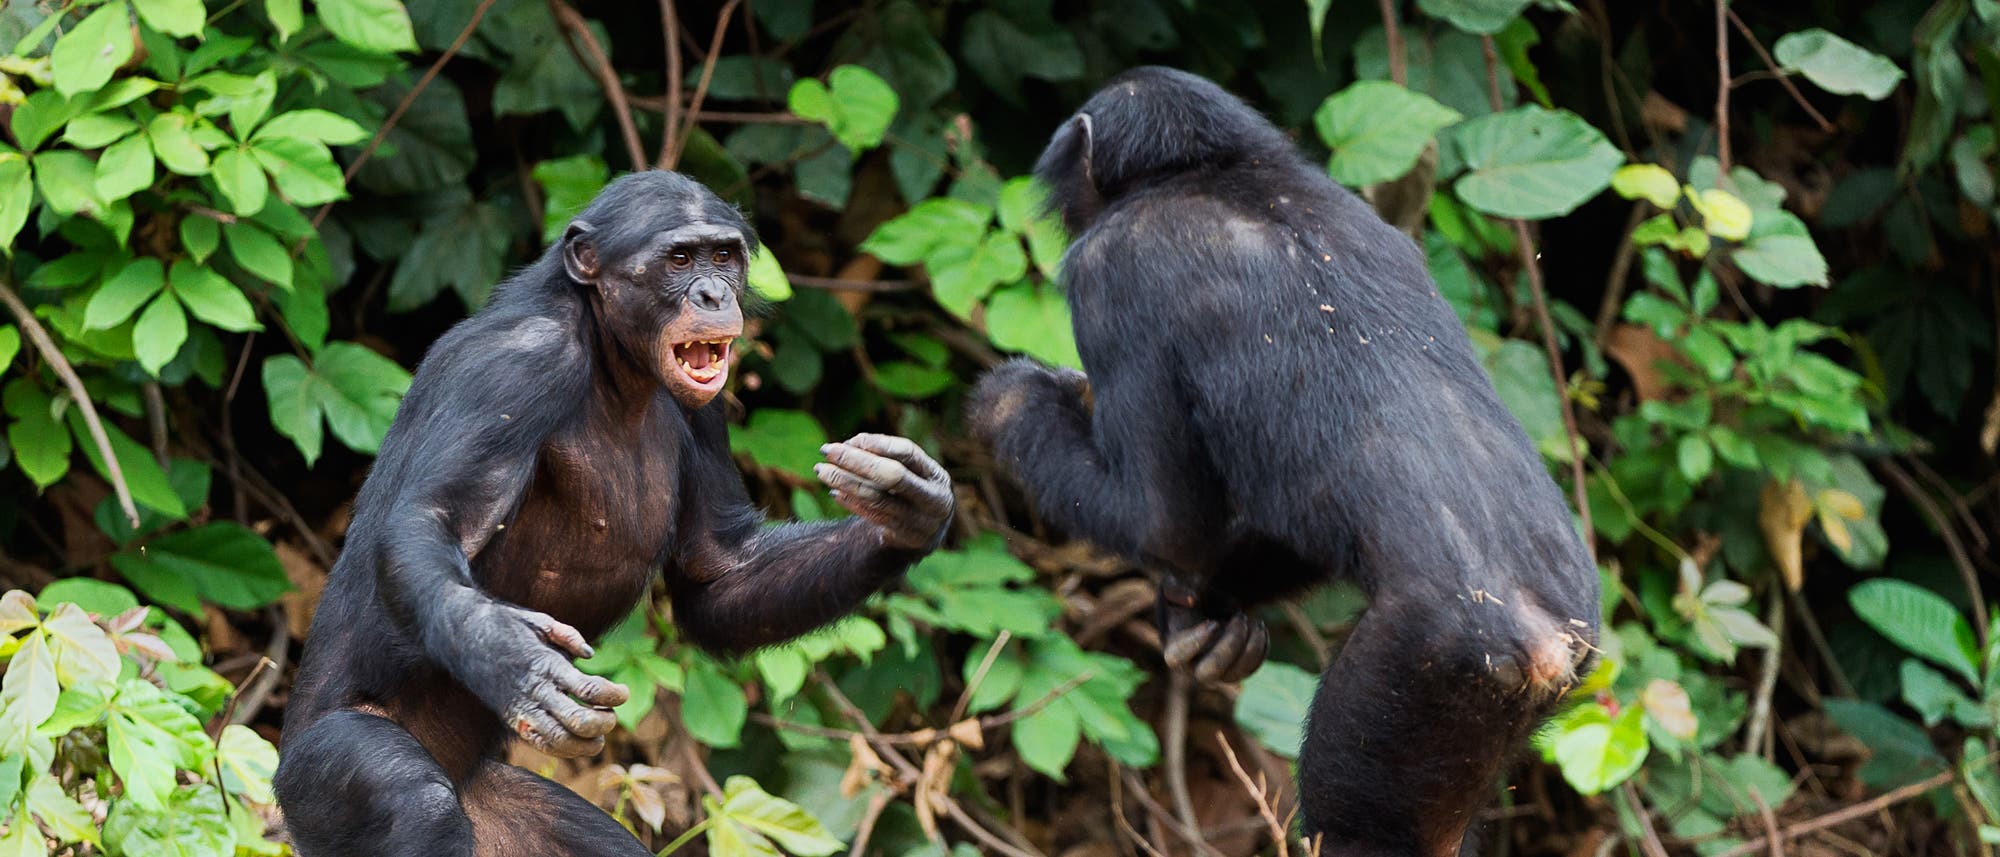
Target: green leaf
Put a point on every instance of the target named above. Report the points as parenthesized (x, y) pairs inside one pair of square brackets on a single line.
[(962, 276), (1837, 65), (124, 293), (1596, 752), (1899, 752), (463, 247), (1274, 704), (124, 169), (258, 252), (715, 707), (377, 26), (1377, 130), (781, 439), (855, 105), (247, 762), (241, 180), (766, 278), (68, 181), (355, 389), (172, 135), (906, 380), (212, 298), (287, 17), (17, 196), (1922, 622), (1047, 739), (158, 336), (1694, 457), (1650, 182), (143, 473), (569, 184), (1533, 163), (41, 446), (85, 656), (323, 126), (293, 397), (41, 114), (1033, 320), (199, 237), (1002, 51), (179, 18), (222, 562), (746, 805), (304, 169), (928, 225), (1483, 17), (1783, 260), (97, 130), (33, 692), (86, 56), (10, 344)]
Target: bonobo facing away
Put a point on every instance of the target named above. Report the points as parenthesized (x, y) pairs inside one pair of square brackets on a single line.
[(1282, 398), (554, 450)]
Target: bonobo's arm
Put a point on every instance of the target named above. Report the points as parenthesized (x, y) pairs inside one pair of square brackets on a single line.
[(741, 584), (458, 459)]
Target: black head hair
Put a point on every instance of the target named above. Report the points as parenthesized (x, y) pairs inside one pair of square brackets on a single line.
[(634, 207), (1149, 122)]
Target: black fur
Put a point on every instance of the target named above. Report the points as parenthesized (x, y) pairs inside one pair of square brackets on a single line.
[(537, 473), (1282, 398)]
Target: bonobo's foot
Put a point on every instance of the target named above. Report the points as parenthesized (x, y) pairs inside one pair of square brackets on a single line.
[(890, 482), (557, 708), (1215, 650)]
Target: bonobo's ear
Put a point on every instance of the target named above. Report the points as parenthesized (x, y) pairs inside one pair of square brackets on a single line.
[(1068, 153), (579, 252), (1085, 130)]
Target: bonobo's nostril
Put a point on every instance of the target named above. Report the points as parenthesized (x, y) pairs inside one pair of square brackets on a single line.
[(710, 295)]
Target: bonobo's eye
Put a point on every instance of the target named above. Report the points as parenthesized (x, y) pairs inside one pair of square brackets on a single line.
[(680, 258), (723, 255)]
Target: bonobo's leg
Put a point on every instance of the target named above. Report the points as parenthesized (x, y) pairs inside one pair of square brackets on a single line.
[(518, 814), (1413, 723), (357, 785)]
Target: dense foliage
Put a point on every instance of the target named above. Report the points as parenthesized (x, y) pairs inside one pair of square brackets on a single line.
[(1734, 269)]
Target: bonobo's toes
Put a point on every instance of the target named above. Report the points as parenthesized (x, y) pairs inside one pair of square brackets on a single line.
[(1185, 646), (1241, 641)]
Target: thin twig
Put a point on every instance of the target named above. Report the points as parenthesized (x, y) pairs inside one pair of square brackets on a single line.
[(1166, 819), (1767, 680), (54, 357), (156, 419), (979, 675), (701, 87), (1770, 824), (1621, 271), (1260, 794), (1530, 262), (1782, 77), (1952, 544), (670, 19), (986, 837), (866, 831), (1721, 91), (1650, 843), (265, 680), (1118, 811), (403, 106), (577, 31), (1392, 32), (1173, 748), (1843, 816)]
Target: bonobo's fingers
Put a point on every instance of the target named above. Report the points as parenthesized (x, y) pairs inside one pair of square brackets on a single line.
[(890, 482), (903, 450), (874, 471), (557, 634), (542, 731), (845, 482), (1185, 645), (592, 690), (579, 720)]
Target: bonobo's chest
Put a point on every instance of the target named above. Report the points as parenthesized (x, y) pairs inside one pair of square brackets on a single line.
[(596, 520)]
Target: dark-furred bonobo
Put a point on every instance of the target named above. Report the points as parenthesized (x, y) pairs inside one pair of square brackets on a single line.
[(554, 450), (1281, 398)]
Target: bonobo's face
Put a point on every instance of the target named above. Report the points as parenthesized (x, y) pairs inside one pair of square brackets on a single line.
[(672, 302)]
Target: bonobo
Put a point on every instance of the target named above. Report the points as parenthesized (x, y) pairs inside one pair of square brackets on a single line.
[(1281, 398), (554, 450)]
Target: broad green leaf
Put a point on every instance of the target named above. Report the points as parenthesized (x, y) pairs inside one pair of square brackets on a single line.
[(304, 169), (767, 278), (1033, 320), (172, 135), (124, 293), (855, 105), (1483, 17), (23, 838), (1922, 622), (84, 654), (180, 18), (1935, 698), (1021, 201), (568, 184), (313, 124), (1533, 163), (10, 344), (143, 474), (784, 670), (212, 298), (377, 26), (1273, 706), (1837, 65), (124, 169), (68, 182), (462, 247), (247, 762), (1047, 739), (1002, 50), (782, 439), (1722, 214), (963, 276), (221, 562), (928, 225), (287, 17), (906, 380), (41, 446), (241, 180), (199, 237), (17, 196), (362, 390), (97, 130), (1596, 751), (258, 252), (1783, 261), (714, 708), (41, 114), (1899, 752), (1377, 130), (33, 692), (158, 336), (64, 816), (85, 57), (293, 397), (746, 804), (1650, 182), (192, 823)]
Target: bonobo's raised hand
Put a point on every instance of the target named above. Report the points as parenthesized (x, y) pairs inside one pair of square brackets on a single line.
[(1010, 390), (549, 703), (1215, 650), (890, 482)]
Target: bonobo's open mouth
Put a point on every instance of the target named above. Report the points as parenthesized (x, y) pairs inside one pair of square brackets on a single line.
[(705, 364)]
